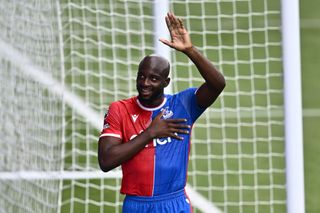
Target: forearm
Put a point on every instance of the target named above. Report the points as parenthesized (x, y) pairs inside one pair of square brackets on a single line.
[(213, 78), (112, 152), (113, 156)]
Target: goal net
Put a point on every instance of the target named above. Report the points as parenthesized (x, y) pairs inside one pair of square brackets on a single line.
[(63, 62)]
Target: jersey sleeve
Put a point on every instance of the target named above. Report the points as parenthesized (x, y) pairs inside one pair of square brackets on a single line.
[(112, 124), (189, 101)]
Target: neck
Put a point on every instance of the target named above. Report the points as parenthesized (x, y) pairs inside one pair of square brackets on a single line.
[(152, 103)]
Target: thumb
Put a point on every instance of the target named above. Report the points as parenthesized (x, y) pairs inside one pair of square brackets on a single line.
[(166, 42), (158, 117)]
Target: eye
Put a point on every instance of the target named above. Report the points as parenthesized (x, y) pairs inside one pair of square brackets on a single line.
[(154, 78), (140, 76)]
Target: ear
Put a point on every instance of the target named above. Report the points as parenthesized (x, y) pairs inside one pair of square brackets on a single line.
[(167, 81)]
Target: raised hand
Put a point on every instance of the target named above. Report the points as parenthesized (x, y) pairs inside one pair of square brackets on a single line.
[(160, 128), (180, 39)]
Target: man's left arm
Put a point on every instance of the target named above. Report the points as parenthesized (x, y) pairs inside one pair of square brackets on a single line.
[(209, 91), (180, 40)]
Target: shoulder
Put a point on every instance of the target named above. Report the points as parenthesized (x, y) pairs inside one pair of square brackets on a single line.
[(186, 95), (188, 98), (123, 102), (187, 92), (116, 109), (191, 90), (124, 107)]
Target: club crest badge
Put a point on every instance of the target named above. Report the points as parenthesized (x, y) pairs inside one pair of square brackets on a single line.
[(167, 113)]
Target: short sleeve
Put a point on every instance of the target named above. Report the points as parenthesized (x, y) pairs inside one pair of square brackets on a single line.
[(112, 124), (189, 101)]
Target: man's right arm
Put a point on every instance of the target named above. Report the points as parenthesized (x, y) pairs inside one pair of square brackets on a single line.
[(112, 152)]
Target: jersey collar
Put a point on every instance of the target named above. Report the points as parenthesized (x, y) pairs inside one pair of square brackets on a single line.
[(154, 108)]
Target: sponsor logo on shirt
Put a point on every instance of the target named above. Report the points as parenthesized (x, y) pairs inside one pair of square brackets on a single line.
[(161, 141), (156, 141)]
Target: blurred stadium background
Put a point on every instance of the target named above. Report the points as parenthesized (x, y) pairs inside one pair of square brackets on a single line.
[(237, 157)]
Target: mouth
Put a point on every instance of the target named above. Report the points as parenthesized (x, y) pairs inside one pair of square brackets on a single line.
[(145, 91)]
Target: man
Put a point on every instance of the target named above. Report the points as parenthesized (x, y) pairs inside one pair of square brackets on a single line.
[(149, 135)]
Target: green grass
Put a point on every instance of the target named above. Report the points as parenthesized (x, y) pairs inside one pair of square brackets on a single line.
[(224, 143), (310, 51)]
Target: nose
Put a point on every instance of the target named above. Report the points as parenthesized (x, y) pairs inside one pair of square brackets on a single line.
[(146, 82)]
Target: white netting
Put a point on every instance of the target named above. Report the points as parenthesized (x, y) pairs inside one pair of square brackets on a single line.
[(31, 117), (237, 156)]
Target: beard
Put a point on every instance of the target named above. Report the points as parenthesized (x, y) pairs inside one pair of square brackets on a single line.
[(150, 99)]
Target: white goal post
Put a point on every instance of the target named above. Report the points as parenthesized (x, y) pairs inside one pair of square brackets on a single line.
[(63, 62), (293, 106)]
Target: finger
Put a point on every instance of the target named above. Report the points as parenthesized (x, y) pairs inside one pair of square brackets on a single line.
[(169, 15), (179, 126), (176, 136), (172, 17), (160, 114), (170, 28), (176, 120), (180, 23), (181, 131), (171, 20), (169, 25), (166, 42), (174, 22)]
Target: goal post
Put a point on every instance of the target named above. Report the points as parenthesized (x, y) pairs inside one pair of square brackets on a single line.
[(293, 106), (160, 9), (63, 62)]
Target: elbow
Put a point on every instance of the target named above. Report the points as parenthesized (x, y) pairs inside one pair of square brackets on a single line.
[(105, 169), (105, 166), (219, 85), (223, 83)]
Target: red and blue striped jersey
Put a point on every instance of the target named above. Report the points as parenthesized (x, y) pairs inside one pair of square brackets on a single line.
[(161, 167)]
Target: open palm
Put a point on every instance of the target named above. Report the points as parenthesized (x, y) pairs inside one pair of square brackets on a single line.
[(180, 39)]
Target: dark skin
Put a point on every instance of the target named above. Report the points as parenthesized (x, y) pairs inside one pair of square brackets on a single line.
[(152, 78)]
